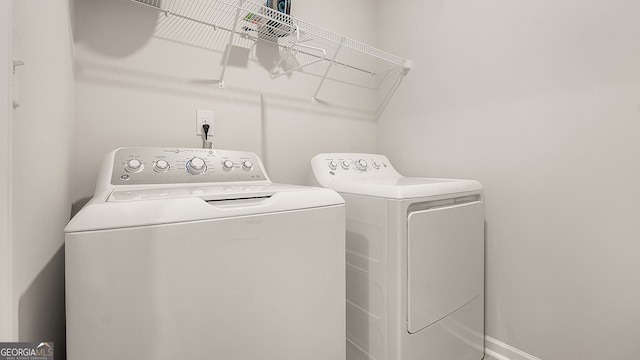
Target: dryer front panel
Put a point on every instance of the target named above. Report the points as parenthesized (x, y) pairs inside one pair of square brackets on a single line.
[(445, 260)]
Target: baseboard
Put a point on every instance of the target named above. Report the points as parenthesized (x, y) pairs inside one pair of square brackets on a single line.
[(501, 351)]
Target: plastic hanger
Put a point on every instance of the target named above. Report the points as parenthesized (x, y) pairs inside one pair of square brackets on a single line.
[(292, 50)]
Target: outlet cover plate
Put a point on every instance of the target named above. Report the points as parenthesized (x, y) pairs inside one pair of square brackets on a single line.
[(204, 117)]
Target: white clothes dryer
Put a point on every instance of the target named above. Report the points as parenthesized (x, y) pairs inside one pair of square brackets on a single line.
[(415, 260), (196, 254)]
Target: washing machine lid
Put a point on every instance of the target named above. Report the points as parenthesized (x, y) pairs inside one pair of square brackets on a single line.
[(373, 175), (148, 207), (205, 191)]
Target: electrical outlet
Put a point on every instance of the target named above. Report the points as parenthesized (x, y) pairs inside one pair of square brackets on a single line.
[(204, 117)]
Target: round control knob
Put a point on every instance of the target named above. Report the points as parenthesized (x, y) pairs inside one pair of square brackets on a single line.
[(247, 165), (376, 165), (161, 166), (133, 166), (361, 165), (333, 165), (344, 164), (196, 166), (227, 165)]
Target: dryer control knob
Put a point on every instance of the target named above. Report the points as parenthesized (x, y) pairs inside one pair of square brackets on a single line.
[(227, 165), (344, 164), (247, 165), (133, 166), (196, 166), (361, 165), (333, 165), (376, 165), (161, 166)]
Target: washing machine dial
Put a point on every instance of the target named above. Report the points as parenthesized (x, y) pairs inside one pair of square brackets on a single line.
[(161, 166), (376, 165), (361, 165), (333, 165), (196, 166), (344, 164), (247, 165), (133, 166), (227, 165)]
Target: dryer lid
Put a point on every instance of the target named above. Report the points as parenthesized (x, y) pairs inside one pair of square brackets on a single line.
[(405, 187)]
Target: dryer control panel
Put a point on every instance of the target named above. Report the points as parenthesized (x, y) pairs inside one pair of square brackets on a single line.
[(347, 166), (373, 175), (137, 166)]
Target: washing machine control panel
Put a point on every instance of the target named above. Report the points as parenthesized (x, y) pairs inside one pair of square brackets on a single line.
[(137, 166)]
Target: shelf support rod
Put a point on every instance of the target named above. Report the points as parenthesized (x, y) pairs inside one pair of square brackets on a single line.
[(392, 92), (326, 72), (408, 64), (230, 44)]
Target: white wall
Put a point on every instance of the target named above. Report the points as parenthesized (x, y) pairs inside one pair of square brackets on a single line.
[(5, 137), (42, 143), (540, 101), (141, 77)]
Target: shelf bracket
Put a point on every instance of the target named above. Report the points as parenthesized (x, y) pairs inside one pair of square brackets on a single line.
[(408, 64), (17, 63), (232, 36), (326, 72), (392, 91)]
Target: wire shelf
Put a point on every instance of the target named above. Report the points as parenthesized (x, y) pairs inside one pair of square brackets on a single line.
[(317, 51)]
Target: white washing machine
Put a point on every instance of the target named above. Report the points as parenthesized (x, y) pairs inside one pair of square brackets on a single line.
[(415, 260), (196, 254)]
